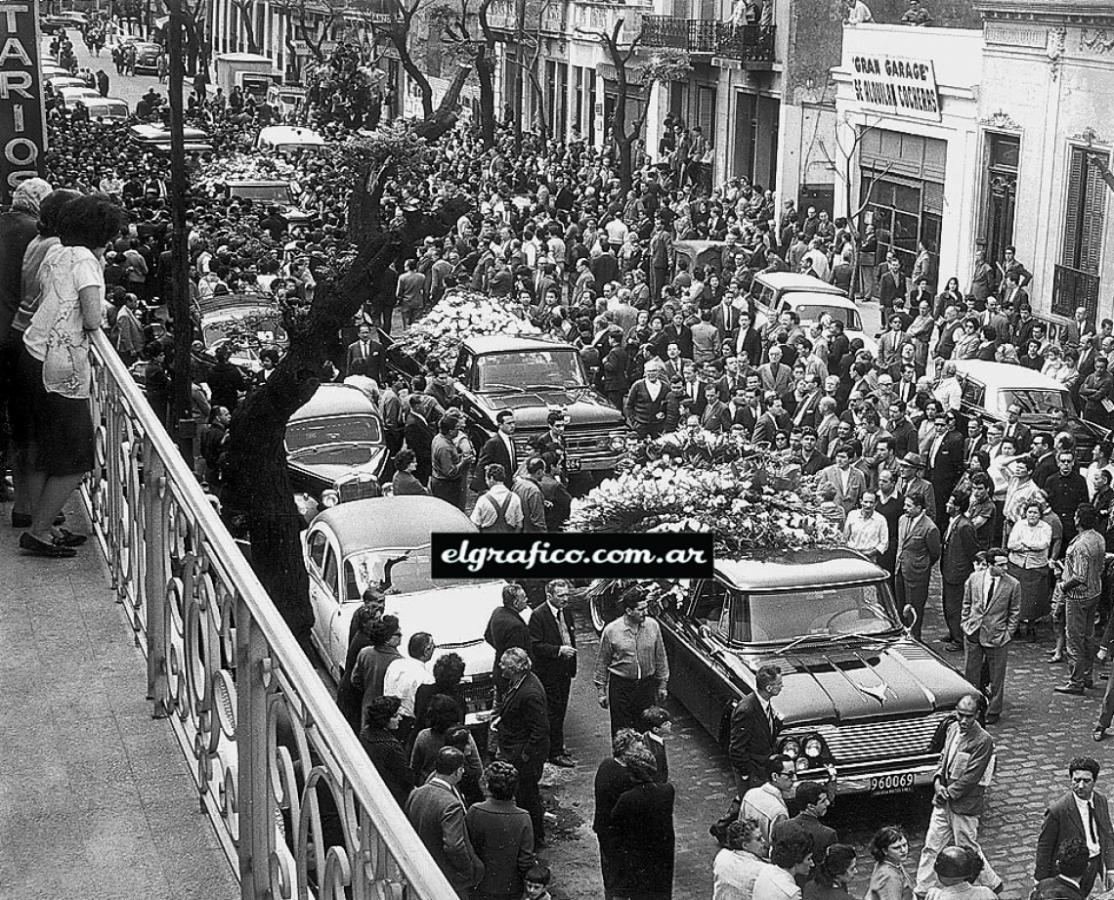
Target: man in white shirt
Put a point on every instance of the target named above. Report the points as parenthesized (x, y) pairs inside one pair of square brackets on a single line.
[(499, 510), (858, 13), (866, 531), (405, 674), (766, 804), (949, 392), (738, 865)]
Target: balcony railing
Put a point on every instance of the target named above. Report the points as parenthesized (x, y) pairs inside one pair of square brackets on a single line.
[(296, 804), (1073, 288), (748, 43)]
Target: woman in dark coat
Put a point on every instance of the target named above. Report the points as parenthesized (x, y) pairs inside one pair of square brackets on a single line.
[(640, 830), (612, 781), (380, 739), (447, 672), (502, 835), (359, 636)]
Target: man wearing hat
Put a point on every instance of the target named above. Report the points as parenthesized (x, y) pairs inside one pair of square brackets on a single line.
[(918, 550), (910, 468)]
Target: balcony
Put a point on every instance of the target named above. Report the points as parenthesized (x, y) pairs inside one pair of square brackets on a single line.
[(1073, 288), (751, 45)]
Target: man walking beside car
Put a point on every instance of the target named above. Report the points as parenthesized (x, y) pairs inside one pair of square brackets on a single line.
[(965, 771), (1081, 582), (632, 671), (506, 628), (991, 612), (918, 549), (553, 650), (961, 545)]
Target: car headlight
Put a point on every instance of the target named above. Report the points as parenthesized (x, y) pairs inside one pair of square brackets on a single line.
[(814, 748), (791, 747), (802, 764), (329, 498), (618, 442)]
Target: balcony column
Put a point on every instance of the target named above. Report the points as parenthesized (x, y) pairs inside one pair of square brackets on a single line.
[(155, 514), (257, 823)]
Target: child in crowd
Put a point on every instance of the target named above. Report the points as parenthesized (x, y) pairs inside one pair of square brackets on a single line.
[(537, 883)]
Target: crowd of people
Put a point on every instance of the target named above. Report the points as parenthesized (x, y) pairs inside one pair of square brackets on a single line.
[(677, 347)]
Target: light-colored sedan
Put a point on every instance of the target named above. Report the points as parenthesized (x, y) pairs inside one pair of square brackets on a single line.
[(385, 542), (810, 306), (70, 95)]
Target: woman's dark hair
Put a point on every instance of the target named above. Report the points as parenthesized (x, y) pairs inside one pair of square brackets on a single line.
[(641, 765), (448, 670), (383, 630), (90, 221), (837, 860), (50, 210), (883, 839), (502, 780), (443, 713), (790, 850), (380, 711), (403, 459)]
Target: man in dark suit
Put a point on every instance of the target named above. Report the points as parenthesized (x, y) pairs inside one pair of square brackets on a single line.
[(918, 549), (522, 724), (773, 420), (748, 340), (807, 412), (366, 347), (436, 811), (499, 448), (506, 628), (959, 788), (419, 438), (553, 650), (1081, 814), (991, 613), (945, 464), (1016, 430), (961, 543), (1071, 862), (647, 405), (725, 318), (813, 800), (754, 726)]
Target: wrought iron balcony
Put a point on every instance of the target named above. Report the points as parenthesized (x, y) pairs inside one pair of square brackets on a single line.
[(747, 43), (1073, 288)]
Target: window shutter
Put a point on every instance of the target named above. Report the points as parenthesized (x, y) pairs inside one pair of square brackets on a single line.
[(706, 115), (1093, 214), (1073, 214)]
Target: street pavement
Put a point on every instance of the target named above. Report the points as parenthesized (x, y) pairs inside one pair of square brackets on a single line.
[(124, 87)]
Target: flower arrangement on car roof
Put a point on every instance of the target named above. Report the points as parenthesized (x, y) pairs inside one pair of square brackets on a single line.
[(459, 315), (244, 167), (694, 480)]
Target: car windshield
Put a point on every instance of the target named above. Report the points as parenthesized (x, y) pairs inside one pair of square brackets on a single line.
[(849, 317), (336, 434), (408, 576), (280, 193), (526, 369), (251, 330), (1035, 403), (820, 613)]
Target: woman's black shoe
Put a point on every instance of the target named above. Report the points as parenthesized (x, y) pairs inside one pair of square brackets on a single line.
[(68, 539), (40, 548)]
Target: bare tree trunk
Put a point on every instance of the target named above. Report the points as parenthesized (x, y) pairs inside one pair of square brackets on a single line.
[(485, 73)]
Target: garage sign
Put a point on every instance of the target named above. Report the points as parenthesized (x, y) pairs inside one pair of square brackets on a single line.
[(896, 85), (22, 113)]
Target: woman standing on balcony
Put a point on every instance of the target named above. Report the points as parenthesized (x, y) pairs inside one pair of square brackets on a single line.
[(54, 369)]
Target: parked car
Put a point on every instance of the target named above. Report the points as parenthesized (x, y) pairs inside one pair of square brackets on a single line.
[(52, 70), (1046, 405), (52, 24), (769, 287), (286, 98), (147, 57), (69, 96), (811, 305), (533, 376), (860, 692), (287, 138), (247, 322), (57, 82), (272, 193), (385, 543), (335, 447), (699, 253), (109, 108)]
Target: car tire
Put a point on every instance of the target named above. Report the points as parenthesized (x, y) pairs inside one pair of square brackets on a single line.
[(603, 603)]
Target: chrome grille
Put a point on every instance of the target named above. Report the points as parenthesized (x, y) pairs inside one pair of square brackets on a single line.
[(578, 442), (479, 693), (870, 741)]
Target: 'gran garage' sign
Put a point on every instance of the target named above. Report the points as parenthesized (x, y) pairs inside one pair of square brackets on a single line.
[(22, 115), (896, 85)]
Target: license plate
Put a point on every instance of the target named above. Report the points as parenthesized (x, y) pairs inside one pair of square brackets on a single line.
[(880, 785), (573, 465)]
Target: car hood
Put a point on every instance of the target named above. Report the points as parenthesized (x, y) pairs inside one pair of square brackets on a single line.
[(845, 684), (583, 406), (332, 471)]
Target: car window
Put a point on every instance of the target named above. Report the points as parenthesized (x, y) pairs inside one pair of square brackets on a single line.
[(530, 369), (351, 586), (973, 393), (329, 571), (460, 367), (317, 544), (709, 607), (823, 612), (766, 296)]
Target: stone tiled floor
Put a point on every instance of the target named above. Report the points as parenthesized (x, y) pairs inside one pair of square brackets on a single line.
[(96, 799)]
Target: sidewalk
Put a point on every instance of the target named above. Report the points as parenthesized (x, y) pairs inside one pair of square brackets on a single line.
[(96, 799)]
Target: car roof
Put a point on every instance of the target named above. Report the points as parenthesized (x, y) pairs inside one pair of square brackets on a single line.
[(391, 522), (260, 182), (502, 343), (761, 571), (818, 298), (290, 134), (781, 281), (1007, 375), (335, 400), (698, 247)]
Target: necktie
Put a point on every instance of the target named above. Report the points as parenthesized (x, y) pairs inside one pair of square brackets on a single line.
[(563, 630), (770, 716), (990, 589), (1092, 826)]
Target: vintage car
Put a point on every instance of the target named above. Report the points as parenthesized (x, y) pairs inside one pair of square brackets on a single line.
[(860, 693), (62, 21), (70, 96), (110, 109), (288, 138), (385, 542), (1046, 405), (147, 57), (271, 193), (811, 305), (286, 98), (57, 82), (699, 253), (335, 448), (248, 322), (156, 136), (533, 376), (768, 288)]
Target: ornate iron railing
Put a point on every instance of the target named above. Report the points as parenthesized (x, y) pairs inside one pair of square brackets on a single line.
[(749, 43), (297, 805), (1073, 288)]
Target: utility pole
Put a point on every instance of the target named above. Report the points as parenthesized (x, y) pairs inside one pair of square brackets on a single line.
[(179, 245), (519, 69)]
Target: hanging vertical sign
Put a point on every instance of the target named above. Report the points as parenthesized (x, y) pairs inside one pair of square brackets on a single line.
[(22, 112)]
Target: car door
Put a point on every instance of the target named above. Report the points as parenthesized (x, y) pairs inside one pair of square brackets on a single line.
[(322, 567), (973, 399)]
